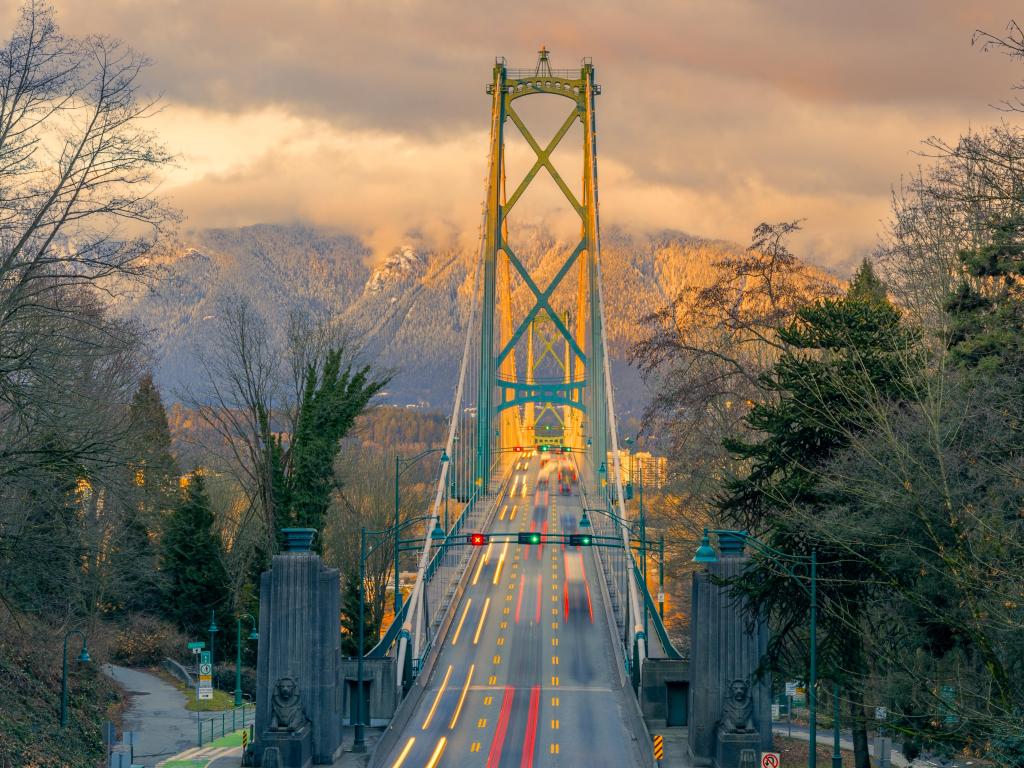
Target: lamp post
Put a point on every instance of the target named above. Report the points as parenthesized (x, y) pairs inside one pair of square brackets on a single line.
[(706, 554), (213, 630), (254, 635), (83, 657), (837, 757), (661, 577), (436, 534), (401, 465)]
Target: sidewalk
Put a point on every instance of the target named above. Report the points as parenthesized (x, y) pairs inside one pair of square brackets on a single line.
[(156, 713), (781, 728)]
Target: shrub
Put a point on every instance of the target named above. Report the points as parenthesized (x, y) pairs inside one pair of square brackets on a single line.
[(145, 641)]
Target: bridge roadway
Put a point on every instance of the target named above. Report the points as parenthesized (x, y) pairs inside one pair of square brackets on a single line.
[(527, 675)]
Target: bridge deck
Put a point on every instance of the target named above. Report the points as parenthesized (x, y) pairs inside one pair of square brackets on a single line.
[(528, 674)]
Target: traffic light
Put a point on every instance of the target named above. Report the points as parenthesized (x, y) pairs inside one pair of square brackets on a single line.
[(544, 449), (580, 540), (529, 537), (477, 539), (518, 449)]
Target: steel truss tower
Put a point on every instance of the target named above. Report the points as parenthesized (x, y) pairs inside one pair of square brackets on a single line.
[(508, 402)]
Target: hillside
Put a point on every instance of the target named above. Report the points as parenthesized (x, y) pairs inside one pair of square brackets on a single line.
[(408, 312)]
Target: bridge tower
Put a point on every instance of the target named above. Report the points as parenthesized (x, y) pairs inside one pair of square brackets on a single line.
[(514, 398)]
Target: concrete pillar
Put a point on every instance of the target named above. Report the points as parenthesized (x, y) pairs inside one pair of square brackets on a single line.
[(725, 644), (300, 638)]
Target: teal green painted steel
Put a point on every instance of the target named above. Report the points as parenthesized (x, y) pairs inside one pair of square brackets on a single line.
[(578, 87), (488, 367)]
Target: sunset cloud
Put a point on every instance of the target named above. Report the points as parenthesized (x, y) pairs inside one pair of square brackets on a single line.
[(716, 114)]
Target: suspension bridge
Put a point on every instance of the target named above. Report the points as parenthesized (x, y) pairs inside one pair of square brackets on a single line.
[(527, 635)]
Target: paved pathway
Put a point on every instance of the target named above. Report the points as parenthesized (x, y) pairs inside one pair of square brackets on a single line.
[(156, 713)]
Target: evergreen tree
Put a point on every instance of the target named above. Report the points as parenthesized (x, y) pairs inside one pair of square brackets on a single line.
[(329, 407), (193, 561), (153, 478), (842, 355), (988, 307)]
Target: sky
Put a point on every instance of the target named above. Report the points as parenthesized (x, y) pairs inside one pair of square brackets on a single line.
[(371, 115)]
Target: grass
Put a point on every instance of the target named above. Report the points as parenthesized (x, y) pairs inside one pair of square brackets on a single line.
[(220, 701)]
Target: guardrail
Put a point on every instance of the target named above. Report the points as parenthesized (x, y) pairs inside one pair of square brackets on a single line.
[(222, 723)]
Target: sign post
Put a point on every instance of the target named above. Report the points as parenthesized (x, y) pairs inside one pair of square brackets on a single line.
[(204, 691)]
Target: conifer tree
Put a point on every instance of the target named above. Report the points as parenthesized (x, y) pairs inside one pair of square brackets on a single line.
[(329, 407), (193, 561), (842, 354)]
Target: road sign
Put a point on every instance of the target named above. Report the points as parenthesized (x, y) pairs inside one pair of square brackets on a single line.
[(659, 748), (881, 713), (205, 694), (661, 597), (776, 711), (770, 760), (791, 688), (205, 670), (196, 646)]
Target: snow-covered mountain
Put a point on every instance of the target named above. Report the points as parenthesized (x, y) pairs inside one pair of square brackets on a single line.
[(407, 313)]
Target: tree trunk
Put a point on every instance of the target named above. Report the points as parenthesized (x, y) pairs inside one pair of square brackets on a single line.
[(858, 725)]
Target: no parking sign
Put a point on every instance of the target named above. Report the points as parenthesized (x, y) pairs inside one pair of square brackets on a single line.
[(770, 760)]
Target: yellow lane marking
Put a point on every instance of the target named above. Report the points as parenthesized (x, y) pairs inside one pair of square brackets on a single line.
[(554, 701), (554, 681), (554, 625), (501, 562), (481, 723), (554, 751), (497, 660), (506, 611), (488, 700), (503, 625), (554, 641), (554, 598), (554, 611), (501, 641), (554, 725), (508, 598), (440, 693), (405, 752), (480, 565), (480, 625), (554, 661), (462, 698), (501, 515), (474, 747), (436, 757), (465, 612), (492, 680), (513, 515)]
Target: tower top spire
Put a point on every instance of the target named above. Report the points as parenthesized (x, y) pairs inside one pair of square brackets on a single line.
[(543, 64)]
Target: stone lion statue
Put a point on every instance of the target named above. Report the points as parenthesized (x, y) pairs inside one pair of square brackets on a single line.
[(287, 713), (738, 709)]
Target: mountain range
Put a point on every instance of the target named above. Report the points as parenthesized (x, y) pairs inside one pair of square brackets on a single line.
[(407, 311)]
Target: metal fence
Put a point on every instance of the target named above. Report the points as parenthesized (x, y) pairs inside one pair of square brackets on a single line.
[(218, 724)]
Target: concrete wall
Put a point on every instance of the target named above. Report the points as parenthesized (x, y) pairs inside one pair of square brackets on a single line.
[(656, 675), (380, 677)]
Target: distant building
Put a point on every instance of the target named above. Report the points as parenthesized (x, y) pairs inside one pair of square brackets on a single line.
[(653, 469)]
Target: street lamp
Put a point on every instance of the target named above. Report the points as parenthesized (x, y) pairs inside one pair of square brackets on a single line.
[(82, 657), (706, 554), (254, 635), (401, 465), (639, 528), (436, 535), (213, 630)]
